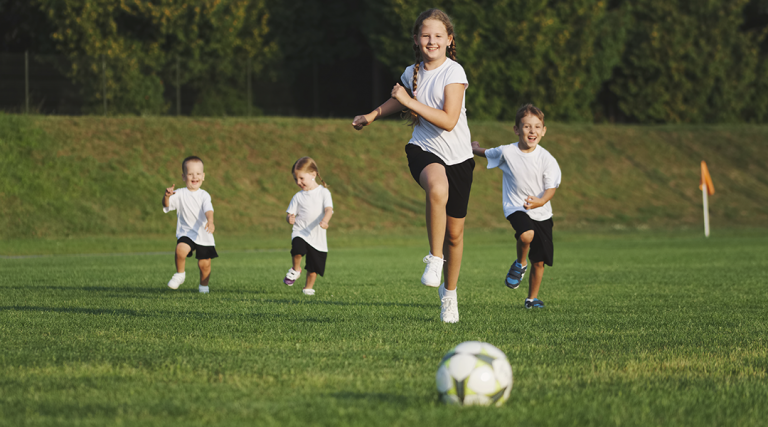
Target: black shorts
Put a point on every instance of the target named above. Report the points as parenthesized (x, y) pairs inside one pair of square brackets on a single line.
[(542, 248), (314, 259), (203, 252), (459, 178)]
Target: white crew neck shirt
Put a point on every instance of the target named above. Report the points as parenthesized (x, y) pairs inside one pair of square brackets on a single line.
[(191, 207), (525, 174), (309, 208), (452, 147)]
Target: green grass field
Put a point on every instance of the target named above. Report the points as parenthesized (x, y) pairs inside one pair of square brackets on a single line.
[(641, 328)]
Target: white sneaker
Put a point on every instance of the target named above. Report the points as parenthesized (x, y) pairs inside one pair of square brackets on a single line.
[(433, 272), (203, 289), (177, 280), (449, 306), (291, 277), (308, 291)]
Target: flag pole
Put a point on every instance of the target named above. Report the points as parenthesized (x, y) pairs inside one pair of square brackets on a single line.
[(706, 209)]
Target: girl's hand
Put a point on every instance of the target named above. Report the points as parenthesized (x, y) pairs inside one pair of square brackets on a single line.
[(169, 191), (323, 225), (209, 227), (291, 219), (360, 121), (401, 95)]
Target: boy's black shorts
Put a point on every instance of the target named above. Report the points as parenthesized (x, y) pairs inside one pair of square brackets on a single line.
[(542, 248), (203, 252), (459, 178), (314, 259)]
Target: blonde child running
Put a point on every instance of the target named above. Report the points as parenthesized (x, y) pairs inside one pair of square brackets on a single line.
[(309, 213), (194, 227), (439, 153), (531, 177)]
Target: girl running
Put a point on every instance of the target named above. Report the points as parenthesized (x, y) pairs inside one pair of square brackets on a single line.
[(440, 152)]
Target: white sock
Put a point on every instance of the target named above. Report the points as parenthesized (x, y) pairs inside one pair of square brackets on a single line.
[(449, 293), (529, 299), (184, 274)]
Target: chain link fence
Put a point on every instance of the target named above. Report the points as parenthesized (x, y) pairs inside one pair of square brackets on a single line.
[(47, 84)]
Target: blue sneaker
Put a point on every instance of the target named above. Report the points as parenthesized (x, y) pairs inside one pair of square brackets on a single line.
[(515, 275), (536, 303)]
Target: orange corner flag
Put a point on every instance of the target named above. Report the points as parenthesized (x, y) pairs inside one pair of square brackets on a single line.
[(706, 179)]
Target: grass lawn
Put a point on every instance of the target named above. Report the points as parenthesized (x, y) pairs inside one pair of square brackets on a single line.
[(640, 328)]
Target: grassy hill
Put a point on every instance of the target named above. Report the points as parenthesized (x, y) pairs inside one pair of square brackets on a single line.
[(94, 176)]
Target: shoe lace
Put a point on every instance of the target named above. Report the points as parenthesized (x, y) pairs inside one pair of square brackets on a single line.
[(434, 264), (449, 307)]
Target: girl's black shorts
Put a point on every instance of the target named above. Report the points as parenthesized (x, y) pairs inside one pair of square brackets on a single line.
[(314, 259), (202, 252), (459, 178)]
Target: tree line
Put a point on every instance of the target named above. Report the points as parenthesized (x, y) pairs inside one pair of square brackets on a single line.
[(636, 61)]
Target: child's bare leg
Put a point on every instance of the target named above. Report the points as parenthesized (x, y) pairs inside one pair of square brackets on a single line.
[(454, 250), (182, 250), (311, 277), (523, 247), (534, 280), (435, 184), (297, 263), (205, 271)]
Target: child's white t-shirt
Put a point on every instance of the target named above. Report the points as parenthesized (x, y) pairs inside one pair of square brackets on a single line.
[(525, 174), (191, 207), (452, 147), (309, 208)]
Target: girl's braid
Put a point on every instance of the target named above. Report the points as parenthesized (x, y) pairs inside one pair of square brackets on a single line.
[(452, 49), (413, 118)]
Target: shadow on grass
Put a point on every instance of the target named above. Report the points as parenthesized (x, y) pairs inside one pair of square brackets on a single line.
[(74, 310), (400, 401), (343, 303)]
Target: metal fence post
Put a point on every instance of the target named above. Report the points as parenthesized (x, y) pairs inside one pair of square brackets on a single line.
[(248, 84), (104, 82), (26, 80), (178, 86)]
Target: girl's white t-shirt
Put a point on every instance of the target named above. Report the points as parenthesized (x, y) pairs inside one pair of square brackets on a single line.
[(452, 147), (525, 174), (191, 207), (309, 208)]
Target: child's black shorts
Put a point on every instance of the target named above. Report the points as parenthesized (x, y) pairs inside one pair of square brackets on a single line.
[(542, 248), (203, 252), (315, 260), (459, 178)]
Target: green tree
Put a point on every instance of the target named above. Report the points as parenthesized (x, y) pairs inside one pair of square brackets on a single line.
[(554, 53), (135, 44), (687, 62)]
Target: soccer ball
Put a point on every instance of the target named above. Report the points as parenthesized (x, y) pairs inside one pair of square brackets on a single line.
[(474, 373)]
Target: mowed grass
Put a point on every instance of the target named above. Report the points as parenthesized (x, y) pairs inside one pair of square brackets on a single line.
[(640, 328)]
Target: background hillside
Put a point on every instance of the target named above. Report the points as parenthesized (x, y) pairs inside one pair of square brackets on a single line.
[(94, 176)]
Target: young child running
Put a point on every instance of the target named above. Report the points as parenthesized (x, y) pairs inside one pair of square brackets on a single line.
[(309, 212), (531, 177), (439, 152), (194, 228)]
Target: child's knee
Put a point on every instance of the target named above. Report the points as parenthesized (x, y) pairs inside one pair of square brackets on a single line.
[(527, 237), (182, 250), (204, 264)]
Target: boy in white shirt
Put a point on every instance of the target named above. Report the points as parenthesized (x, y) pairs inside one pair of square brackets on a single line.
[(531, 177), (194, 228)]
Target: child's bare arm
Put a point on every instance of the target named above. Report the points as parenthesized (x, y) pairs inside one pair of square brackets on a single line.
[(446, 118), (326, 218), (477, 150), (290, 218), (391, 106), (532, 202), (168, 193), (209, 227)]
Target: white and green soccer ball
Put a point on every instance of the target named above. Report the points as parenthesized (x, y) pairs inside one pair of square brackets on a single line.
[(474, 373)]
